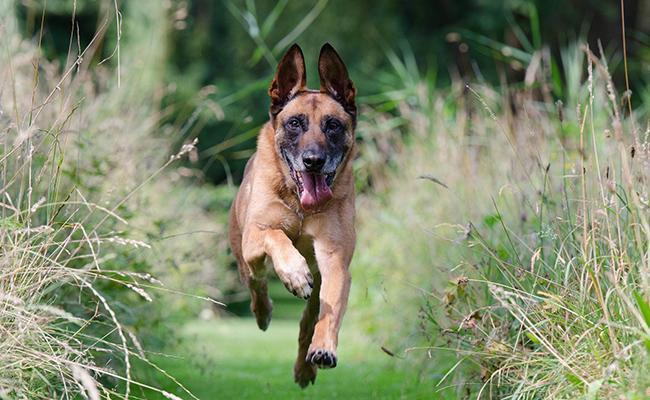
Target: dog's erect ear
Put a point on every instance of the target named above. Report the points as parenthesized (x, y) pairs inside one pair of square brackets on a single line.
[(334, 79), (290, 78)]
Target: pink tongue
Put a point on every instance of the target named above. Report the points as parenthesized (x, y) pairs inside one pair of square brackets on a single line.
[(316, 191)]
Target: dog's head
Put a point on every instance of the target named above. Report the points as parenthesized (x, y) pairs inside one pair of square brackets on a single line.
[(314, 130)]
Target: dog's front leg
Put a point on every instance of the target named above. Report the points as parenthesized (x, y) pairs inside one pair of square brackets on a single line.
[(290, 266), (333, 261)]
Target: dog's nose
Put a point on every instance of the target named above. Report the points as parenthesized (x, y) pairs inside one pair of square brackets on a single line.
[(313, 160)]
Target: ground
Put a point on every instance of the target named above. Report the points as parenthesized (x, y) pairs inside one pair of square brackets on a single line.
[(230, 358)]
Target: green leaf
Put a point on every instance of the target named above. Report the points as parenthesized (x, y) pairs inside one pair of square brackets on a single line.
[(643, 307), (10, 223), (273, 16), (574, 379), (491, 220), (503, 253), (532, 338)]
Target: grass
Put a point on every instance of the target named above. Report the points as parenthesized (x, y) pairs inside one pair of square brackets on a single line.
[(52, 242), (231, 358), (528, 238), (552, 305), (502, 253), (74, 159)]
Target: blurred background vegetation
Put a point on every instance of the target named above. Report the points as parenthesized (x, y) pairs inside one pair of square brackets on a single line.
[(439, 83), (220, 55)]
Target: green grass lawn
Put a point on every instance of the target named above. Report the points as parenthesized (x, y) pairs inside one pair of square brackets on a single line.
[(230, 358)]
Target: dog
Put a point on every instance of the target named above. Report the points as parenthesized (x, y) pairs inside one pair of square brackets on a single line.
[(295, 205)]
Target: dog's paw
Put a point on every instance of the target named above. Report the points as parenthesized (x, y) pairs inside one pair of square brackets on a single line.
[(321, 358), (262, 311), (297, 278), (304, 373)]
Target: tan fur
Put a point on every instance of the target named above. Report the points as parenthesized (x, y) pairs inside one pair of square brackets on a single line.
[(267, 221)]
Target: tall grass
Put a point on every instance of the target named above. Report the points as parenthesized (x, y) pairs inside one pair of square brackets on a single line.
[(530, 225), (80, 162), (554, 304)]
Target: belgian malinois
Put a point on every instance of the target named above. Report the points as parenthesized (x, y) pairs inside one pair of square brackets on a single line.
[(295, 205)]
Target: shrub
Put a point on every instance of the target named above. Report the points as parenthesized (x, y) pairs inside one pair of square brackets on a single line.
[(85, 194), (531, 225), (554, 301)]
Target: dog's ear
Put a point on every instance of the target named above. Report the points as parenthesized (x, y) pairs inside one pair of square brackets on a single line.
[(290, 78), (334, 79)]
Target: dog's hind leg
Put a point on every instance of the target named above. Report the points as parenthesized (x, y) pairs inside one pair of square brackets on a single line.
[(305, 372), (255, 280), (261, 304)]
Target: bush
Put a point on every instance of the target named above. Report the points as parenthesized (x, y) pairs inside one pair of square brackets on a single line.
[(531, 225), (554, 303), (92, 215)]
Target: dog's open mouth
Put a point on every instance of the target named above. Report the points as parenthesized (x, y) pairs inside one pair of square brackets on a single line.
[(313, 189)]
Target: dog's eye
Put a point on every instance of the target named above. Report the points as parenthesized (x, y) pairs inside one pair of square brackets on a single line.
[(333, 126), (293, 124)]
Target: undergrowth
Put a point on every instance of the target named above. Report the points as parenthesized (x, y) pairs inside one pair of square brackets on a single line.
[(81, 164), (530, 220)]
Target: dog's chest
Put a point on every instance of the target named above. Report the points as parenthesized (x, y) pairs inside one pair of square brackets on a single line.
[(296, 227), (305, 245), (300, 230)]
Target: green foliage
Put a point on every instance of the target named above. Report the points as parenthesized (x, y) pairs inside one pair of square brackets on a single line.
[(221, 55), (529, 282), (93, 217), (227, 51), (643, 307), (233, 359), (534, 296)]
